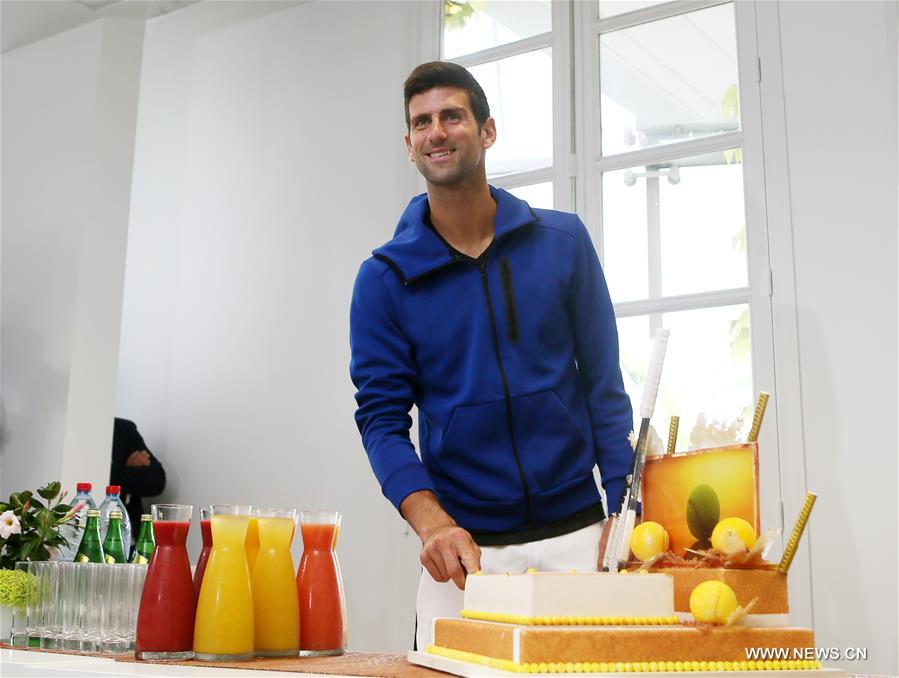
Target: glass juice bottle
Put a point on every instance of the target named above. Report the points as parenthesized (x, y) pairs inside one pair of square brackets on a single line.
[(224, 630), (165, 622), (206, 533), (251, 543), (319, 585), (275, 603)]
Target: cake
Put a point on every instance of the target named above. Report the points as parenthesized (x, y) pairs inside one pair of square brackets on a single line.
[(553, 598), (543, 622)]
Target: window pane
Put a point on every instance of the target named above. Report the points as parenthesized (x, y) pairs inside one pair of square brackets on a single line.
[(675, 228), (472, 25), (609, 8), (708, 368), (520, 93), (535, 195), (669, 80)]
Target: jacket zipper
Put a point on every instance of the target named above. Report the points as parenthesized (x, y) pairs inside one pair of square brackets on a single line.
[(509, 293), (482, 267)]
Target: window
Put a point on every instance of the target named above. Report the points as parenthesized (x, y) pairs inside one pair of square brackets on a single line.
[(639, 115), (663, 191), (509, 48)]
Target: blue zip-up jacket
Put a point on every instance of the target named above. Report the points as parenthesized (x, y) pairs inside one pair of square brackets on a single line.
[(512, 360)]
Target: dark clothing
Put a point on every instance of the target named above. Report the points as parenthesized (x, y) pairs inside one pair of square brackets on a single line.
[(512, 360), (136, 481)]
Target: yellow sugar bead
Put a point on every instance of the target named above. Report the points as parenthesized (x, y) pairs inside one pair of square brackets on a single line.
[(678, 666)]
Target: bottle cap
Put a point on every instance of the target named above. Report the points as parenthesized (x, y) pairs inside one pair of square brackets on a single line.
[(93, 513), (146, 518), (115, 514), (113, 489), (83, 487)]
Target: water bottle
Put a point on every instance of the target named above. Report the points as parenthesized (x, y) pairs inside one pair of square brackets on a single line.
[(113, 502), (74, 529)]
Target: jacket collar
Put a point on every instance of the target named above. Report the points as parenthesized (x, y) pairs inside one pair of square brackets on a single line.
[(416, 249)]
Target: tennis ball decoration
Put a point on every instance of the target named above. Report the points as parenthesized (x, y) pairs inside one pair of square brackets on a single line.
[(712, 602), (733, 535), (703, 512), (649, 540)]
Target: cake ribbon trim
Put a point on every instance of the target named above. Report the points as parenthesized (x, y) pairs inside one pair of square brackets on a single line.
[(625, 667), (523, 620)]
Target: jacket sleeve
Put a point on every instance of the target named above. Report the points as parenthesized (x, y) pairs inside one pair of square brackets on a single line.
[(596, 346), (142, 481), (383, 370)]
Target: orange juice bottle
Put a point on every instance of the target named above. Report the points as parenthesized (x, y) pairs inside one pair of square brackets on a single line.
[(277, 612), (224, 629), (251, 543)]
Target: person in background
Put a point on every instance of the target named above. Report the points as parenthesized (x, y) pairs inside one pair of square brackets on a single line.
[(134, 468)]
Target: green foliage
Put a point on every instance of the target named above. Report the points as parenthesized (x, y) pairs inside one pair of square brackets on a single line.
[(456, 13), (17, 588), (39, 525)]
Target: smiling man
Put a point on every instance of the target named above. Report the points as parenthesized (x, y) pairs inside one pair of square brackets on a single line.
[(494, 319)]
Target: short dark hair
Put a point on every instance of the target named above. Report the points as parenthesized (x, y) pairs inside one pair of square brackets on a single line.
[(446, 74)]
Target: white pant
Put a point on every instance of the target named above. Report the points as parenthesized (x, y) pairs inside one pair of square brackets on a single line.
[(578, 550)]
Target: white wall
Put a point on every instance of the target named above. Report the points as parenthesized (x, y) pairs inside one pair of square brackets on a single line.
[(269, 163), (839, 104), (69, 105)]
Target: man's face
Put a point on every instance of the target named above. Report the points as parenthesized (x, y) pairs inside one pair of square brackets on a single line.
[(444, 140)]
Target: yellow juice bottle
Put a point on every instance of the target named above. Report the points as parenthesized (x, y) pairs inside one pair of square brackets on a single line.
[(275, 602), (224, 629), (251, 543)]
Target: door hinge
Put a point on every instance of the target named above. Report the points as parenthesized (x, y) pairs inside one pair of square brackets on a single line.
[(758, 69)]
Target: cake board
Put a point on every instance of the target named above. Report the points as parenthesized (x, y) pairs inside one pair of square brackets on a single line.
[(469, 670)]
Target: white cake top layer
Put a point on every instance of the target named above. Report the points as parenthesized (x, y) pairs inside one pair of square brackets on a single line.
[(571, 594)]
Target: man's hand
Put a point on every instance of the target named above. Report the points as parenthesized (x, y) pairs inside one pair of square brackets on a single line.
[(447, 551), (138, 458)]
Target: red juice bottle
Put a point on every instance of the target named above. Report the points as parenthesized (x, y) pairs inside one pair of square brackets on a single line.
[(165, 622), (206, 532)]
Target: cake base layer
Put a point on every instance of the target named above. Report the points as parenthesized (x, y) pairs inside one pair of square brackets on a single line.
[(770, 586), (520, 645)]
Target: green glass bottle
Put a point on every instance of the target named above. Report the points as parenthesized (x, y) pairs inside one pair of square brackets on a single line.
[(146, 541), (113, 549), (90, 550)]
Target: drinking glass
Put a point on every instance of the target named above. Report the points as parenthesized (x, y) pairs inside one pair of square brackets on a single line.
[(36, 604), (224, 630), (320, 586), (275, 602), (92, 601), (114, 629), (50, 607), (19, 631), (165, 623), (71, 604), (135, 588)]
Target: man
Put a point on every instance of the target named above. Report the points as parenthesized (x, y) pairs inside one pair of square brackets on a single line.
[(135, 469), (495, 320)]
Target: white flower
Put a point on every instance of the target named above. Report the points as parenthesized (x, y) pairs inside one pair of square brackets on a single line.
[(9, 524)]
